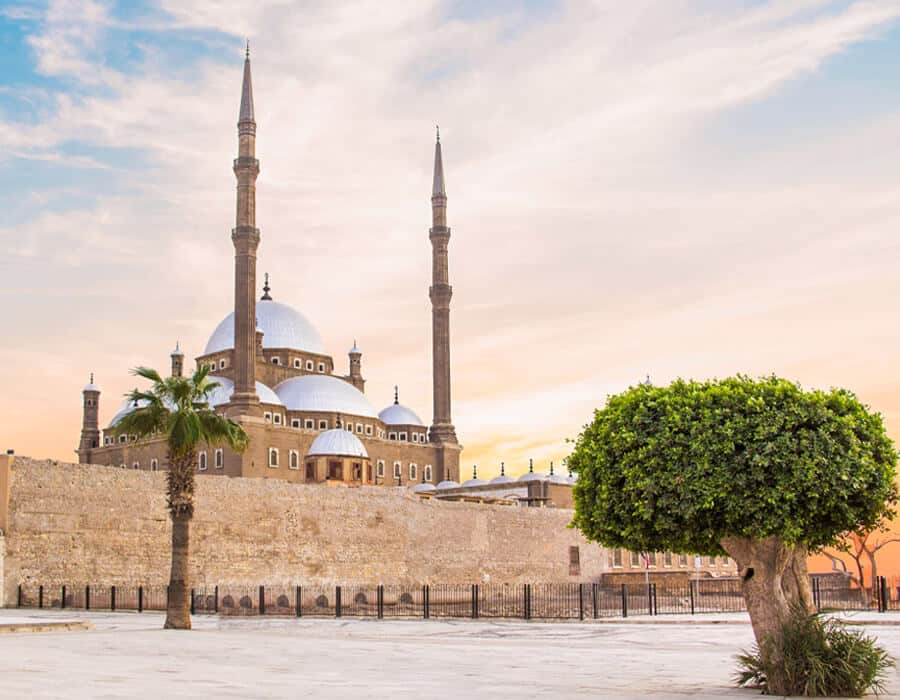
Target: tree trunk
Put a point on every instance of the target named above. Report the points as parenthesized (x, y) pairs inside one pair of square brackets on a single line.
[(180, 493), (873, 567), (178, 610), (774, 581)]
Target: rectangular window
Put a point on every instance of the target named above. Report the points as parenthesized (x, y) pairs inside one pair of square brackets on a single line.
[(277, 418), (335, 471), (392, 436), (368, 430), (268, 417), (201, 460), (682, 560), (297, 363), (712, 561), (379, 468), (309, 424), (295, 422), (276, 361), (574, 561), (667, 559), (635, 558), (136, 465), (154, 465), (294, 460), (359, 428), (402, 437), (397, 468), (221, 364), (323, 425), (220, 459), (617, 558), (273, 457), (123, 438), (309, 365), (321, 366), (427, 475), (413, 472), (310, 471)]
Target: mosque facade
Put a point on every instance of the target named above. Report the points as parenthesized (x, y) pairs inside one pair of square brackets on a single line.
[(306, 421)]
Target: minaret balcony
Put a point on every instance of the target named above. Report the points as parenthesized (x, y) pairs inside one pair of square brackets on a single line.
[(246, 163)]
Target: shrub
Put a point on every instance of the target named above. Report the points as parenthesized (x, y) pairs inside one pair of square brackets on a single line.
[(820, 657)]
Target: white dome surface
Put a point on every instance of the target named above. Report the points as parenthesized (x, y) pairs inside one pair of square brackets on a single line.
[(474, 482), (502, 479), (222, 393), (325, 394), (533, 476), (449, 484), (92, 387), (396, 414), (337, 442), (423, 488), (282, 327)]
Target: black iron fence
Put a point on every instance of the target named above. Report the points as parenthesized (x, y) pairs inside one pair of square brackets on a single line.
[(528, 601)]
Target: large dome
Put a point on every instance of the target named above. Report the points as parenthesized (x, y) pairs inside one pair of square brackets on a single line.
[(282, 327), (323, 393), (337, 443)]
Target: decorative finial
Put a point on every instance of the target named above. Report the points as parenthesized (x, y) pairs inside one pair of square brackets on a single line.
[(474, 471), (266, 289), (396, 395), (438, 130), (502, 469), (531, 466), (551, 468), (92, 378), (247, 52)]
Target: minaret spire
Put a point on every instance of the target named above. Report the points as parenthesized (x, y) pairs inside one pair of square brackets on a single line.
[(245, 237), (442, 431)]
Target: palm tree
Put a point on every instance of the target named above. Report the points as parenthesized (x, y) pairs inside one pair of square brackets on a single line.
[(176, 408)]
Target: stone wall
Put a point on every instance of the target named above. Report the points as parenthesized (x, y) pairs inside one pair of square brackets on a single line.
[(76, 524)]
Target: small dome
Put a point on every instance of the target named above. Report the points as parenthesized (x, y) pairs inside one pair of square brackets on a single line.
[(324, 393), (396, 414), (337, 442), (502, 479), (222, 393), (282, 327), (533, 476), (91, 387), (474, 482), (449, 484), (354, 350), (571, 479), (127, 407), (423, 488)]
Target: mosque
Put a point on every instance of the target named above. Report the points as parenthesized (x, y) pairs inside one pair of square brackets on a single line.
[(307, 421)]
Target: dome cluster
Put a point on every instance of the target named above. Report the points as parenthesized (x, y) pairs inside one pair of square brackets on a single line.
[(282, 327)]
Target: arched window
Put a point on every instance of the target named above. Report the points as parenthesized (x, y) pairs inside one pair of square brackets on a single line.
[(297, 363), (379, 468), (220, 458), (136, 465), (273, 457), (294, 460), (427, 473), (276, 361), (201, 460), (154, 465), (413, 472), (397, 469), (309, 365), (321, 366)]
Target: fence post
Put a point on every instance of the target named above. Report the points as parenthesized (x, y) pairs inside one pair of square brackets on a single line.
[(882, 586), (379, 597), (425, 611), (216, 600), (655, 601), (337, 601), (112, 598), (40, 596), (62, 601), (691, 589), (262, 600), (594, 599), (299, 601), (19, 597), (624, 601), (87, 597), (193, 598), (527, 601), (140, 599), (581, 601)]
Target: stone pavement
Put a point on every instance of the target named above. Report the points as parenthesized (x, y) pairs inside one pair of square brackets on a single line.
[(129, 655)]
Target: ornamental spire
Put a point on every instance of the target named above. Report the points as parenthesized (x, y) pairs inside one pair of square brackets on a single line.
[(502, 469), (396, 394), (266, 289), (246, 113), (437, 188)]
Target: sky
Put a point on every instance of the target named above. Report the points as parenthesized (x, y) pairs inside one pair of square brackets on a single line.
[(662, 188)]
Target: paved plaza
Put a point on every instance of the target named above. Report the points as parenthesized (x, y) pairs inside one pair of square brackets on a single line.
[(129, 655)]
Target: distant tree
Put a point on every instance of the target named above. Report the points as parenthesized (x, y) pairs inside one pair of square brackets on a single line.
[(757, 469), (866, 543), (177, 410)]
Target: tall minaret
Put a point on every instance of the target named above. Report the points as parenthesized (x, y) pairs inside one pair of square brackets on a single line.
[(245, 236), (90, 424), (442, 430)]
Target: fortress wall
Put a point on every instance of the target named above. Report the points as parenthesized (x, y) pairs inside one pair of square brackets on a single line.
[(76, 524)]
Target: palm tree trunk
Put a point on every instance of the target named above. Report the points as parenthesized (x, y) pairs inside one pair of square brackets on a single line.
[(180, 488)]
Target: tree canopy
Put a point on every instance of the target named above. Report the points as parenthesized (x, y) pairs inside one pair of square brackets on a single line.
[(678, 468)]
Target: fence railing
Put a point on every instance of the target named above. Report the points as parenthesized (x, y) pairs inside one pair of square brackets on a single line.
[(527, 601)]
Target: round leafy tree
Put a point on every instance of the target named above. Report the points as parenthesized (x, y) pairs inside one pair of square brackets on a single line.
[(757, 469)]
